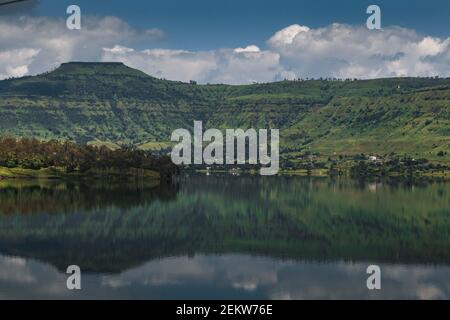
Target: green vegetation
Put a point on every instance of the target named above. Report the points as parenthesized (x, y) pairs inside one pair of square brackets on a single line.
[(114, 105), (361, 165), (31, 158)]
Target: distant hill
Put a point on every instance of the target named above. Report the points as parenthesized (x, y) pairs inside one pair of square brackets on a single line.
[(118, 105)]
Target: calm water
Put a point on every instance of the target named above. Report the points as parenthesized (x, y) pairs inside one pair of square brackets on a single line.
[(238, 237)]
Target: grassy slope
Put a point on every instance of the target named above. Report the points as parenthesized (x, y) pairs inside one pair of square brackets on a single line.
[(113, 104)]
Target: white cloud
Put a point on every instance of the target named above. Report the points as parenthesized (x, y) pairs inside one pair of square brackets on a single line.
[(337, 50), (37, 44), (32, 45), (118, 50), (162, 63), (287, 35), (241, 65), (236, 67), (348, 51), (14, 63), (251, 48)]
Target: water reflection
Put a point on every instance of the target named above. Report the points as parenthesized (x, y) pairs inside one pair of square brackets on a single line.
[(226, 277), (55, 196), (226, 237)]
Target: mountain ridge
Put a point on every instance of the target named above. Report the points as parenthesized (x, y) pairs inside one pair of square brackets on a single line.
[(111, 102)]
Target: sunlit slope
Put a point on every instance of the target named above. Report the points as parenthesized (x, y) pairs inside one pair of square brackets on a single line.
[(114, 103)]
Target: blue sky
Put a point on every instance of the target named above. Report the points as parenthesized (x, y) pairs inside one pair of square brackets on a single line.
[(231, 41), (211, 24)]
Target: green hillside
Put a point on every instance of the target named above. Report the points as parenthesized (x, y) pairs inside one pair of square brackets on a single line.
[(118, 105)]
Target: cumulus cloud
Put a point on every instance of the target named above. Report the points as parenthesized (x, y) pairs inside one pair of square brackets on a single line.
[(337, 50), (251, 48), (233, 66), (297, 51), (350, 51), (248, 65), (171, 64), (31, 45), (14, 63), (287, 35)]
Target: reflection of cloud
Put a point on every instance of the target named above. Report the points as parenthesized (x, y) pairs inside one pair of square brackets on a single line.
[(246, 285), (246, 274), (14, 269), (398, 272), (229, 276), (430, 292), (114, 282), (288, 279), (162, 272), (21, 278), (348, 281)]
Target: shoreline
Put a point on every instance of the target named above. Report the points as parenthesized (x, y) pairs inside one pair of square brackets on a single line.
[(325, 173), (56, 173)]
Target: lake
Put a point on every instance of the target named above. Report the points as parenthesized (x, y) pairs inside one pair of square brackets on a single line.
[(225, 237)]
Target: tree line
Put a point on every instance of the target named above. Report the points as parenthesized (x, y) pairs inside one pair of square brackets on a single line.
[(35, 154)]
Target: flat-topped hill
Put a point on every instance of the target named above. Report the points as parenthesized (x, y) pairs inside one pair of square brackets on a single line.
[(112, 102)]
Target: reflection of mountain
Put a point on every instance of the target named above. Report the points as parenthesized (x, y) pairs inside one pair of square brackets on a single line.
[(313, 219), (57, 196)]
